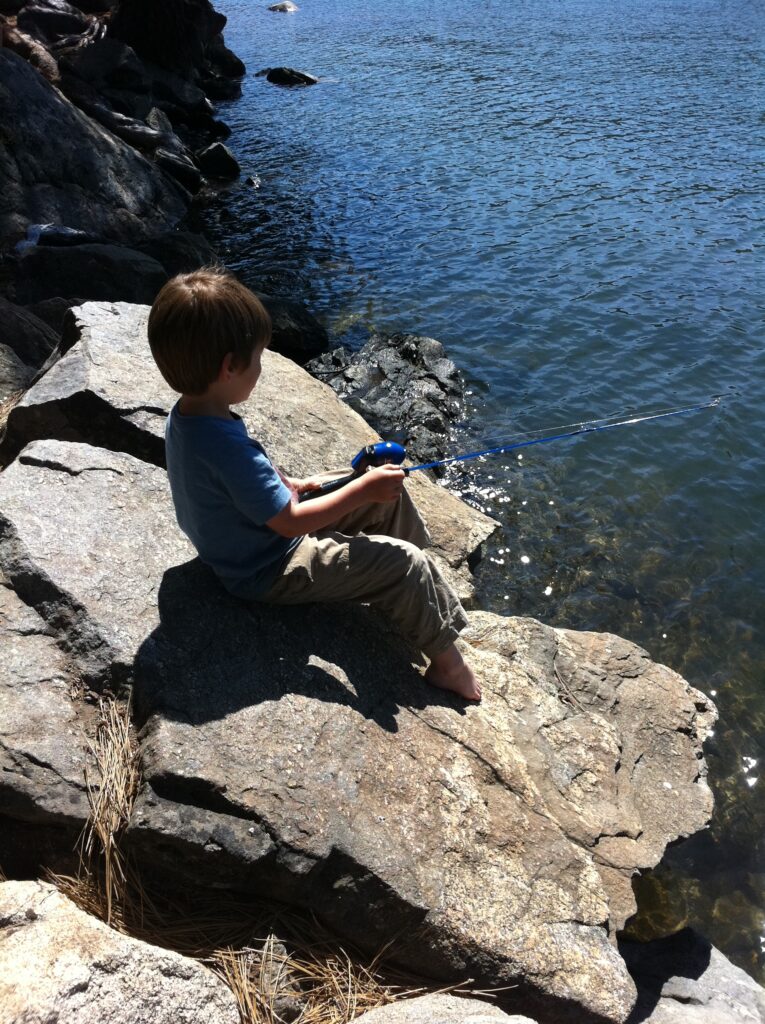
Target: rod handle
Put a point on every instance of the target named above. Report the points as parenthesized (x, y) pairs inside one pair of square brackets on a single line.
[(327, 487)]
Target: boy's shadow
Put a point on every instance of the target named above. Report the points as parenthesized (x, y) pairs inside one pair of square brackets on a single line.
[(212, 655)]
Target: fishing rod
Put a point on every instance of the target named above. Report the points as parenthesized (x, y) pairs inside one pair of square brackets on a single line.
[(388, 451)]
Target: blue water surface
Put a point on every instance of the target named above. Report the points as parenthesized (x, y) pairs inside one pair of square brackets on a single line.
[(569, 195)]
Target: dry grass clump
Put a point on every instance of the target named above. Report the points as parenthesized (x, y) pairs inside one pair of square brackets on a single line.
[(111, 796), (265, 952)]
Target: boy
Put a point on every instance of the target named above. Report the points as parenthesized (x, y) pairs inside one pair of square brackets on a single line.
[(362, 542)]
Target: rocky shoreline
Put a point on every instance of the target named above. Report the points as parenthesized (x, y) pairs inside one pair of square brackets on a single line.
[(294, 754)]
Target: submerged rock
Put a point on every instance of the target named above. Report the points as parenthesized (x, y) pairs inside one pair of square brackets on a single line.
[(58, 963), (286, 7)]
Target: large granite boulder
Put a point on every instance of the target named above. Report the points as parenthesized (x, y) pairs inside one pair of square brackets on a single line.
[(107, 391), (96, 182), (59, 964), (298, 751)]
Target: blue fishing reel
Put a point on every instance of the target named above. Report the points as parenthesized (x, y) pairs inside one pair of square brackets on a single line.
[(372, 455), (377, 455)]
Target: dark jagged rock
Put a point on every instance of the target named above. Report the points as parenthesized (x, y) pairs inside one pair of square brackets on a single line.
[(14, 374), (297, 334), (179, 92), (217, 161), (52, 312), (224, 61), (95, 182), (49, 20), (179, 251), (403, 384), (288, 76), (108, 62), (219, 87), (180, 167), (98, 272), (174, 34), (26, 334)]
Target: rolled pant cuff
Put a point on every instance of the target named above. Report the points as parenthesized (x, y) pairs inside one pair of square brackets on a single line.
[(447, 637)]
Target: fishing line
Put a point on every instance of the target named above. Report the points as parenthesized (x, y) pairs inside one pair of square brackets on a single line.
[(545, 435)]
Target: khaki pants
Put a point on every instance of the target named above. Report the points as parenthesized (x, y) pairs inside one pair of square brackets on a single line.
[(374, 555)]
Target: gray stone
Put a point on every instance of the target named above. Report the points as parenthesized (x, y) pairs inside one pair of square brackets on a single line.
[(58, 963), (96, 182), (26, 334), (94, 271), (683, 979), (44, 733), (107, 391), (285, 7), (440, 1009), (89, 557)]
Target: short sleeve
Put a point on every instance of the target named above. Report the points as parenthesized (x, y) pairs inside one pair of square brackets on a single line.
[(253, 484)]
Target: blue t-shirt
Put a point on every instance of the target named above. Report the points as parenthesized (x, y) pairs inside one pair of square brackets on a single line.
[(225, 490)]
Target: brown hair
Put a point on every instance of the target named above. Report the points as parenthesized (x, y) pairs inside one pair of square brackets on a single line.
[(196, 320)]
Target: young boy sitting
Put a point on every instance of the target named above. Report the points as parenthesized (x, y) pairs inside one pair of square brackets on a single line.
[(361, 542)]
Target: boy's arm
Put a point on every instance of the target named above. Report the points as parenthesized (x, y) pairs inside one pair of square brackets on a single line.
[(380, 484)]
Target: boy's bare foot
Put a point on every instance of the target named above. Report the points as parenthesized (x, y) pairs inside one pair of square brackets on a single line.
[(450, 671)]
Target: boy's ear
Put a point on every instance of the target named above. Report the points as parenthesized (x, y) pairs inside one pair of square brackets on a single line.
[(227, 367)]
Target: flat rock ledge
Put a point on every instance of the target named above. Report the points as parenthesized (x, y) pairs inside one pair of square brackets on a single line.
[(297, 751), (59, 964)]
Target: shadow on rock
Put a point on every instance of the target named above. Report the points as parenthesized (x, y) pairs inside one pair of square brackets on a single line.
[(213, 655)]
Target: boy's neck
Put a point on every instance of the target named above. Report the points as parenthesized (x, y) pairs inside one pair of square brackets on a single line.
[(204, 405)]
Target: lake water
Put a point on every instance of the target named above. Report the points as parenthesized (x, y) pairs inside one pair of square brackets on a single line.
[(569, 195)]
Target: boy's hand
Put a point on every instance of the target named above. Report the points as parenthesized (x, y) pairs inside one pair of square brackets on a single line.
[(310, 483), (383, 483)]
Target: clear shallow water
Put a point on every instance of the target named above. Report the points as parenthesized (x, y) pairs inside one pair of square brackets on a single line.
[(570, 196)]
